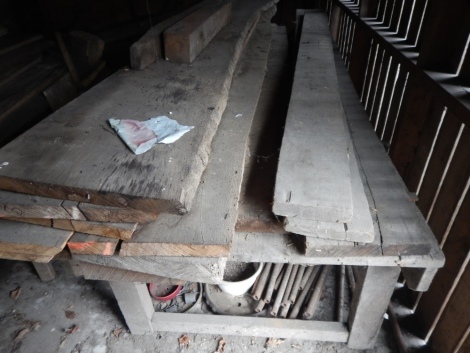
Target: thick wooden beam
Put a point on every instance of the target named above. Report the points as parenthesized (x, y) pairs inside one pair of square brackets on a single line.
[(136, 306), (187, 38), (374, 287)]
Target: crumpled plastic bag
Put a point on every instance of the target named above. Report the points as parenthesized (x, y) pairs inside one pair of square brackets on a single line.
[(140, 136)]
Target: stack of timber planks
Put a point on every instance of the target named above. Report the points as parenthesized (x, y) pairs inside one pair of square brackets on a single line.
[(318, 188), (71, 175)]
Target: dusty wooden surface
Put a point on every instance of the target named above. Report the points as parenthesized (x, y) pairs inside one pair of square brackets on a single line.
[(21, 241), (358, 229), (313, 178), (74, 155), (207, 230), (186, 39), (87, 244)]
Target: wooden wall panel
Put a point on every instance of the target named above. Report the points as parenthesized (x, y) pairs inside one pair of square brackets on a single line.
[(445, 34), (442, 150), (360, 50), (455, 249), (369, 8), (387, 98), (415, 109), (455, 318)]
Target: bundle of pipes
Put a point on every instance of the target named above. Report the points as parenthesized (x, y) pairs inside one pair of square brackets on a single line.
[(294, 291)]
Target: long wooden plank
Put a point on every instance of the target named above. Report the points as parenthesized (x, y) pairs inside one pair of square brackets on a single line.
[(30, 241), (13, 204), (87, 244), (105, 273), (122, 231), (313, 178), (403, 229), (207, 230), (74, 155), (200, 269), (358, 229), (287, 249), (186, 39), (250, 326)]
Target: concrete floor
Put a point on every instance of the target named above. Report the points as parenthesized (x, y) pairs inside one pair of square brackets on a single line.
[(72, 315)]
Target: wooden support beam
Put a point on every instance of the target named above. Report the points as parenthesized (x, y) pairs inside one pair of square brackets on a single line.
[(136, 306), (45, 271), (374, 287), (250, 326), (87, 244)]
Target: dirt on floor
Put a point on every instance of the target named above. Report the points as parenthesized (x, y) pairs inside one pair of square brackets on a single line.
[(72, 315)]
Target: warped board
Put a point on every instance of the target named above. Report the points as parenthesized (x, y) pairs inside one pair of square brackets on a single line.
[(207, 230), (358, 229), (186, 39), (21, 241), (403, 229), (87, 244), (122, 231), (13, 204), (74, 155), (200, 269), (264, 140), (105, 273), (313, 178)]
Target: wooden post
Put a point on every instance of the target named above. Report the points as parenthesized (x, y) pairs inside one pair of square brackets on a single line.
[(45, 271), (136, 306), (335, 21), (374, 287), (445, 33)]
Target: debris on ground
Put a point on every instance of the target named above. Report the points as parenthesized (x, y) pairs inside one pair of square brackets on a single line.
[(14, 294), (19, 336), (273, 342), (117, 332), (183, 341), (69, 314), (72, 330), (221, 346), (63, 339)]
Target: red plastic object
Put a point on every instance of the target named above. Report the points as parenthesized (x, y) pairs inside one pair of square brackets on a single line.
[(172, 292)]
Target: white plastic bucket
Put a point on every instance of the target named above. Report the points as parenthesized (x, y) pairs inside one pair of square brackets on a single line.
[(240, 287)]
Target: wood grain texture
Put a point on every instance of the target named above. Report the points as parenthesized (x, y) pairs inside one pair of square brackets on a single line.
[(200, 269), (105, 273), (313, 178), (87, 244), (149, 48), (110, 230), (36, 243), (77, 157), (207, 230), (186, 39), (13, 204)]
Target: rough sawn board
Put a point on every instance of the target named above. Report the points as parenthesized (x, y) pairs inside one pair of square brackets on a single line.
[(207, 230), (74, 155), (313, 179)]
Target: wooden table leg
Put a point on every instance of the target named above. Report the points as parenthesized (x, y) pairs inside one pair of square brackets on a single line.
[(135, 304), (374, 287), (45, 271)]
